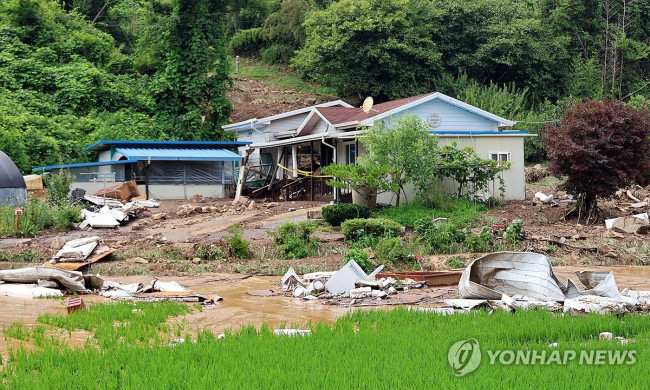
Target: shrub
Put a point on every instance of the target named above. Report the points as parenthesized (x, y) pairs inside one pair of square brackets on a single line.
[(209, 252), (237, 246), (294, 240), (484, 242), (58, 186), (600, 146), (338, 213), (361, 257), (353, 229), (515, 232), (440, 238)]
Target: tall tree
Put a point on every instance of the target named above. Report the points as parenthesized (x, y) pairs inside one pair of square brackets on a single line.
[(382, 48), (191, 90)]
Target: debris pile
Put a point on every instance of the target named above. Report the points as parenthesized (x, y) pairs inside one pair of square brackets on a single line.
[(36, 282), (111, 213), (513, 280), (350, 285), (78, 253), (153, 292), (122, 191)]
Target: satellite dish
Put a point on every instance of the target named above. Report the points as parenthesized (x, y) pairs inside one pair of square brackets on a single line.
[(367, 104)]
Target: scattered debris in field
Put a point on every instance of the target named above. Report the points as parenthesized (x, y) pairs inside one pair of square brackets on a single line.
[(154, 292), (75, 304), (109, 213)]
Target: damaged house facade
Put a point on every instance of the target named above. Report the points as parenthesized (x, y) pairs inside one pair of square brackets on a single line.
[(286, 151), (161, 169)]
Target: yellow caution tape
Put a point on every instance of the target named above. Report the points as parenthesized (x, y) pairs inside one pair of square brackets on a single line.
[(300, 172)]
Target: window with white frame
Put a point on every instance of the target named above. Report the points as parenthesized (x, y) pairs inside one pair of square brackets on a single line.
[(501, 157)]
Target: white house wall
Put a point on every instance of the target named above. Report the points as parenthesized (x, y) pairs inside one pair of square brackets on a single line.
[(515, 184)]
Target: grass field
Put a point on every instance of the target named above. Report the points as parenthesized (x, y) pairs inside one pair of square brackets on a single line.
[(366, 349)]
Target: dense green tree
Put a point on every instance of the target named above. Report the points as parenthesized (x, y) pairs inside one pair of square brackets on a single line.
[(190, 91), (382, 48)]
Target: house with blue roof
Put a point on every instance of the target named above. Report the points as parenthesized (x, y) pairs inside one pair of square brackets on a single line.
[(161, 169), (295, 143)]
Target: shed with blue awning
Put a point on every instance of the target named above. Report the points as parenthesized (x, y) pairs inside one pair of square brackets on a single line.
[(163, 169)]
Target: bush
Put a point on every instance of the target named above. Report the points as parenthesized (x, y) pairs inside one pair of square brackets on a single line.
[(484, 242), (440, 238), (601, 146), (353, 229), (237, 246), (58, 186), (360, 257), (294, 240), (209, 252), (338, 213)]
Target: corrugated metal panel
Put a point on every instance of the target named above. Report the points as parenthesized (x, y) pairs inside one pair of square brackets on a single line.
[(174, 154)]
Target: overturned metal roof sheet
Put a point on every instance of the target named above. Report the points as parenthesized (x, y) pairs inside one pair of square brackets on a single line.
[(530, 275)]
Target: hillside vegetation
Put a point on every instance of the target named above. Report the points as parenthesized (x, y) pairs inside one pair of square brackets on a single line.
[(74, 71)]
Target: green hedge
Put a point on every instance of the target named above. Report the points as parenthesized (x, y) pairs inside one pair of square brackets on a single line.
[(338, 213)]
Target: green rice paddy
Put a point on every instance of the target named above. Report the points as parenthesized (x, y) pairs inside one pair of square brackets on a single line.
[(129, 349)]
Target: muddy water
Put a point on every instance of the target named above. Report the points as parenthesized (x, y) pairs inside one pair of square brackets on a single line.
[(239, 308)]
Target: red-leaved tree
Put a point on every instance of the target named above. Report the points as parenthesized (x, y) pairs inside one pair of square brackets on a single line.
[(600, 146)]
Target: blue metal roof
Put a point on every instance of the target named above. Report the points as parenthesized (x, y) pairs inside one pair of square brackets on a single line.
[(107, 144), (469, 132), (184, 154), (79, 165)]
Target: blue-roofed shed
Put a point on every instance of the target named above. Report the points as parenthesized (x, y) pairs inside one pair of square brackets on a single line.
[(162, 169)]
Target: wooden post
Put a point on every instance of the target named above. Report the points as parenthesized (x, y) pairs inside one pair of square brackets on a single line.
[(240, 180), (294, 160)]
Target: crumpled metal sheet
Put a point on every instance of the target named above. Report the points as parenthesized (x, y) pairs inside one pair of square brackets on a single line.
[(529, 275), (71, 280)]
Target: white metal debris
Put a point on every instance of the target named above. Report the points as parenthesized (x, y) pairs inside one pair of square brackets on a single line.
[(530, 275), (594, 304), (28, 291), (71, 280), (344, 280), (527, 274), (546, 199), (290, 280), (78, 249)]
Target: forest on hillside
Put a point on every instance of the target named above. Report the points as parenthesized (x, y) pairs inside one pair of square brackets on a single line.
[(75, 71)]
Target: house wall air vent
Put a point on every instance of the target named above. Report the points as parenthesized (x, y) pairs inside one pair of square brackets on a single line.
[(434, 120)]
